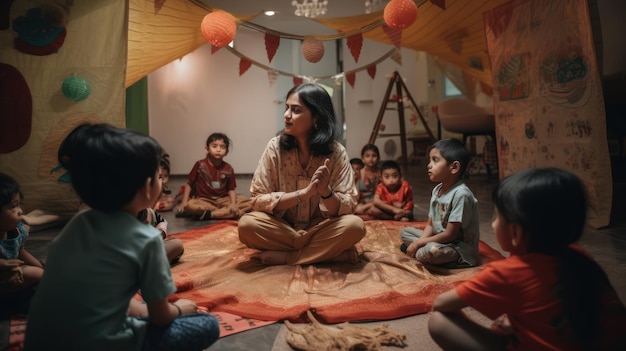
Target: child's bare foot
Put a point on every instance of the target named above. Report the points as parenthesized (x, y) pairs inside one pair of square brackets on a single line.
[(351, 255), (271, 258)]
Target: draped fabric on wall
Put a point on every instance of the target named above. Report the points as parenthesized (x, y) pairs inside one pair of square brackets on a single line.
[(548, 95), (94, 49)]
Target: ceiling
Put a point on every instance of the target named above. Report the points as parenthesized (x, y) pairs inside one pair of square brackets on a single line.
[(454, 36), (285, 20)]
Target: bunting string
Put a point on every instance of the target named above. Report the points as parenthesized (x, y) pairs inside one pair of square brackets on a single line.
[(334, 76)]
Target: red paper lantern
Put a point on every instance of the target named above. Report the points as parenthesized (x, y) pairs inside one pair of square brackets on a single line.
[(400, 14), (313, 49), (218, 28)]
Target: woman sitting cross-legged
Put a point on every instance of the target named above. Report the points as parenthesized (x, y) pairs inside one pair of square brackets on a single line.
[(303, 192)]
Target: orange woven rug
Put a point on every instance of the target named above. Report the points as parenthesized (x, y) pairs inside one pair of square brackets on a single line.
[(217, 273)]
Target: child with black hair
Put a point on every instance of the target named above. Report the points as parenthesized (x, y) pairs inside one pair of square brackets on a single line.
[(357, 165), (369, 178), (549, 294), (166, 201), (104, 255), (452, 233), (394, 196), (19, 270), (210, 190)]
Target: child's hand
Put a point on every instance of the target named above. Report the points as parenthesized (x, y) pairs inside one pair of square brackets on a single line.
[(14, 262), (412, 249), (186, 306)]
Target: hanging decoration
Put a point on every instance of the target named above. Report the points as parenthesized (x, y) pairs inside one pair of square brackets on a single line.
[(297, 80), (313, 49), (395, 35), (218, 28), (244, 64), (351, 78), (355, 43), (271, 45), (400, 14), (214, 49), (158, 5), (397, 57), (76, 88), (440, 3), (371, 70)]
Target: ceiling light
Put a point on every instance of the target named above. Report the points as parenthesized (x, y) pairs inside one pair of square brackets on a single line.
[(269, 13), (310, 8)]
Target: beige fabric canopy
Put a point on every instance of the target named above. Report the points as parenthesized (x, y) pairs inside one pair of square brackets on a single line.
[(454, 35)]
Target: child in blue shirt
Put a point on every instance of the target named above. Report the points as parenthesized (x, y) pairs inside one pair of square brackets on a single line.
[(451, 235)]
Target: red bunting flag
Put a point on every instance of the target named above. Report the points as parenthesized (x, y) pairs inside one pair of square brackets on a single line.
[(214, 49), (158, 4), (440, 3), (371, 70), (351, 78), (395, 35), (243, 66), (271, 45), (355, 43), (297, 80)]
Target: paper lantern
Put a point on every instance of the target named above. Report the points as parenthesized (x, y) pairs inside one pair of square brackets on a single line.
[(400, 14), (218, 28), (76, 88), (313, 49)]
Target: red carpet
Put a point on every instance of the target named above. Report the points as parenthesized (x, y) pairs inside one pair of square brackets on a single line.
[(216, 271)]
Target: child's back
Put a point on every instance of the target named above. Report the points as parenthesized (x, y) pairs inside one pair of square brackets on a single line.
[(104, 255)]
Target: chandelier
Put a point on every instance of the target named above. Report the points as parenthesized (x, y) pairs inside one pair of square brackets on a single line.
[(374, 5), (310, 8)]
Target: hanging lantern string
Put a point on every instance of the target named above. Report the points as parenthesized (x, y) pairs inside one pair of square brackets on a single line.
[(368, 27), (268, 68)]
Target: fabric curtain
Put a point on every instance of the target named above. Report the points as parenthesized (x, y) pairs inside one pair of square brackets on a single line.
[(137, 106)]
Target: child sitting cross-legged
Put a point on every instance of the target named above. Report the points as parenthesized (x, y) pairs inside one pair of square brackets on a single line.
[(104, 255), (451, 234), (19, 270), (548, 294), (393, 198)]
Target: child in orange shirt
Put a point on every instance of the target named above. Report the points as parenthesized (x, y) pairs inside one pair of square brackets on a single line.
[(394, 196)]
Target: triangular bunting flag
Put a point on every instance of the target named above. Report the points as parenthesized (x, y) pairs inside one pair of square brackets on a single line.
[(243, 66), (440, 3), (397, 57), (158, 4), (351, 78), (371, 70), (271, 45), (355, 43), (271, 77), (214, 49), (395, 35), (297, 80)]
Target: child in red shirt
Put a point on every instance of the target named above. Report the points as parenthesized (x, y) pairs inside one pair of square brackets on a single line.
[(548, 294), (393, 198), (210, 191)]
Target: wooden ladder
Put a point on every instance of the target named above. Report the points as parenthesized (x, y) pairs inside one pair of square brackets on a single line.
[(420, 142)]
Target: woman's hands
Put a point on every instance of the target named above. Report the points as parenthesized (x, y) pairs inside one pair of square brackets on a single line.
[(321, 179)]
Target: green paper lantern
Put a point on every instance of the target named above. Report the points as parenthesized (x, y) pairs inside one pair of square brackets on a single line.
[(76, 88)]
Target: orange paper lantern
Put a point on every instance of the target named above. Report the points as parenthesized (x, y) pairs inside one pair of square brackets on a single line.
[(313, 49), (218, 28), (400, 14)]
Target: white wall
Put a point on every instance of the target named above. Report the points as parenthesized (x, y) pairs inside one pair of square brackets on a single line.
[(203, 93)]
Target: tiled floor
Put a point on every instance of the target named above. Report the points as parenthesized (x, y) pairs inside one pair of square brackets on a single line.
[(607, 245)]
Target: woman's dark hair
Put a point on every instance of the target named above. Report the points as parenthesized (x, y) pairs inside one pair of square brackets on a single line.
[(453, 150), (8, 188), (317, 100), (218, 136), (550, 205), (108, 165), (370, 147)]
